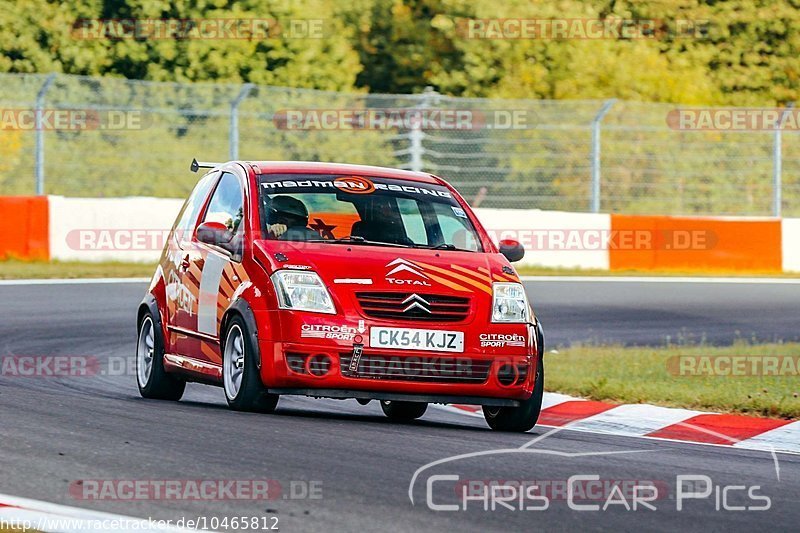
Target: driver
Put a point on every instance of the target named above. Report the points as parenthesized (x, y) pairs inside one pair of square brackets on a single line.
[(383, 224), (288, 218)]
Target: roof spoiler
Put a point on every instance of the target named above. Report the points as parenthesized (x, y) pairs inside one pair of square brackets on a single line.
[(197, 165)]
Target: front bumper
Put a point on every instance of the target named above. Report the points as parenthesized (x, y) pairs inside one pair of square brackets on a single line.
[(486, 372), (341, 394)]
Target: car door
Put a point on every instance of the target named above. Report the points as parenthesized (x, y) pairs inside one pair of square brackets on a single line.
[(208, 270), (181, 300)]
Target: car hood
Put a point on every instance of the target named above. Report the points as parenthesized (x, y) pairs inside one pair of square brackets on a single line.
[(378, 268)]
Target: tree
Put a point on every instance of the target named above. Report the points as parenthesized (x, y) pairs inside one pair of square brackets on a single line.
[(46, 36)]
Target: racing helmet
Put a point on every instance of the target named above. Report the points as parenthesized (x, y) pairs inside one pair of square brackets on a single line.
[(289, 210)]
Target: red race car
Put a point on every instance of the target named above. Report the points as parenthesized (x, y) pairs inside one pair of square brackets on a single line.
[(339, 281)]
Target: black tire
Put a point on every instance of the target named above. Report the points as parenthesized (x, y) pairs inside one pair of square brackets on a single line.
[(522, 418), (403, 411), (251, 395), (158, 384)]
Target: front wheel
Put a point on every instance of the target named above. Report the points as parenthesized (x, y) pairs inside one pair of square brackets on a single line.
[(240, 379), (403, 411), (520, 418), (154, 382)]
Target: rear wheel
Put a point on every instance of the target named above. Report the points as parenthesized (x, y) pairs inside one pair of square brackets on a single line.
[(154, 382), (523, 417), (403, 411), (241, 381)]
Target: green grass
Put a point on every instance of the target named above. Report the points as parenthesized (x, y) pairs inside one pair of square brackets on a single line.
[(641, 375), (16, 269)]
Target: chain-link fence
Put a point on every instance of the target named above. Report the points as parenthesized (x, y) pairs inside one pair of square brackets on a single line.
[(85, 136)]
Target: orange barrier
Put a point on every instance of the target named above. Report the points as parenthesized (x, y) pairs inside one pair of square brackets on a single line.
[(636, 242), (694, 244), (341, 223), (24, 227)]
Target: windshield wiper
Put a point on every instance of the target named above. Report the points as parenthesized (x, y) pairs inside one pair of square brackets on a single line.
[(443, 246), (349, 238), (356, 239)]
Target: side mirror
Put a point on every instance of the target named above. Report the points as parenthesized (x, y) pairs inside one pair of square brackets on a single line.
[(512, 249), (214, 233)]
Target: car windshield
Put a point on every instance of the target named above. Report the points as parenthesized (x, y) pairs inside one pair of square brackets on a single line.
[(360, 210)]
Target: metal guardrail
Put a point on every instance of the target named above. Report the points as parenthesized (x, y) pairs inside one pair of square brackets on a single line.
[(570, 155)]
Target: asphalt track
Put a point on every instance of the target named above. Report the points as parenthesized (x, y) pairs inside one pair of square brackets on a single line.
[(56, 431)]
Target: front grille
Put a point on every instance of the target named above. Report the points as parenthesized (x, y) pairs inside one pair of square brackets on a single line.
[(297, 362), (413, 306), (433, 369)]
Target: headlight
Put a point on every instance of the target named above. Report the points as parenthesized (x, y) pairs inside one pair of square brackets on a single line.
[(302, 291), (510, 304)]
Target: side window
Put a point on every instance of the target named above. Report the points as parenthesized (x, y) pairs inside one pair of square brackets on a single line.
[(412, 220), (455, 227), (184, 226), (227, 204)]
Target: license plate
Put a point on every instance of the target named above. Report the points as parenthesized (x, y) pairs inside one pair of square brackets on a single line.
[(416, 339)]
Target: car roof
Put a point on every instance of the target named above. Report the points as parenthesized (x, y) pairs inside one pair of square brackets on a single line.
[(300, 167)]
